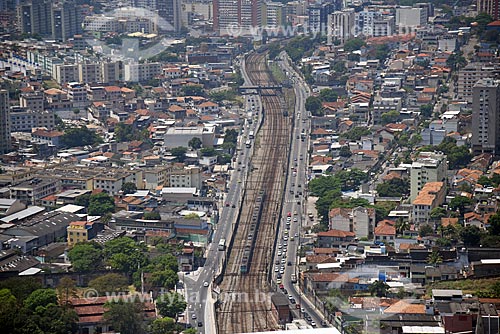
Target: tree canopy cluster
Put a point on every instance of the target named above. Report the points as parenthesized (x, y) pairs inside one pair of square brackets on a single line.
[(394, 188), (128, 257), (457, 156), (75, 137), (27, 308), (314, 104)]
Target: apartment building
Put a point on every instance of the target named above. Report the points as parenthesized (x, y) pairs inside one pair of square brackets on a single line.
[(471, 74), (187, 177), (360, 221), (5, 141), (490, 7), (428, 167), (31, 192), (136, 72), (32, 101), (409, 18), (341, 26), (431, 196), (24, 120), (486, 117), (157, 177), (180, 136), (82, 231)]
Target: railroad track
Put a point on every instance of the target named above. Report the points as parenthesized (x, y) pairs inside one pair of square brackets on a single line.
[(246, 297)]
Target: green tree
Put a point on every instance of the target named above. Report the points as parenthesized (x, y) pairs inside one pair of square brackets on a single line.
[(179, 153), (8, 310), (101, 204), (426, 110), (195, 143), (153, 215), (425, 230), (164, 325), (83, 200), (111, 282), (170, 304), (394, 188), (471, 236), (85, 257), (126, 317), (390, 117), (438, 213), (356, 133), (129, 188), (40, 297), (20, 287), (125, 255), (328, 95), (378, 288), (434, 258), (192, 90), (314, 105), (164, 278), (402, 226), (74, 137), (494, 224), (460, 203), (66, 289), (354, 44), (345, 152), (208, 152)]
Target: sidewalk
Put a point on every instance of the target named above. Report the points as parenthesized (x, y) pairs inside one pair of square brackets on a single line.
[(209, 314)]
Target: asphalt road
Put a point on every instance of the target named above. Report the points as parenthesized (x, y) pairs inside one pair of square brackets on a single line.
[(295, 203)]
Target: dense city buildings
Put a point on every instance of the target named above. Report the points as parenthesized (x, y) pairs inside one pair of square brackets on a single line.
[(342, 154)]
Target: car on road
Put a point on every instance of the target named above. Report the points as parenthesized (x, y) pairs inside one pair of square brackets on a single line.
[(282, 271), (285, 238), (276, 269), (279, 254), (292, 301), (313, 324), (278, 281), (205, 284), (289, 214), (227, 203), (193, 316), (200, 324), (233, 206), (290, 297), (292, 238), (303, 310), (288, 219), (283, 261), (281, 286), (296, 235), (285, 291), (289, 263), (324, 323), (295, 219)]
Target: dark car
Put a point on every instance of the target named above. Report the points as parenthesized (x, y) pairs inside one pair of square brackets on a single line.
[(289, 263), (233, 206), (200, 324), (292, 301)]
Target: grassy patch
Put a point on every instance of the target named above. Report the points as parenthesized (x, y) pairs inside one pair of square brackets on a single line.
[(471, 286)]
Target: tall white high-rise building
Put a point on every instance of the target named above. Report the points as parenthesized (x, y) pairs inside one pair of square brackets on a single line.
[(5, 144), (341, 26)]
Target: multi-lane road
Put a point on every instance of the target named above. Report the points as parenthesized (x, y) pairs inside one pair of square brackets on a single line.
[(294, 209)]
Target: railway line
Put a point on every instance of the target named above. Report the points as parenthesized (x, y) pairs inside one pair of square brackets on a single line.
[(245, 299)]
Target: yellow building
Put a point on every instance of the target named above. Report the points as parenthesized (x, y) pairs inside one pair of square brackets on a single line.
[(82, 231)]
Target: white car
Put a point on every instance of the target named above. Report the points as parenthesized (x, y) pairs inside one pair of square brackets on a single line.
[(193, 316), (205, 284)]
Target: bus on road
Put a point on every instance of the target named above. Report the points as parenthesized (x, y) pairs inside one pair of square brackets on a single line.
[(222, 245)]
